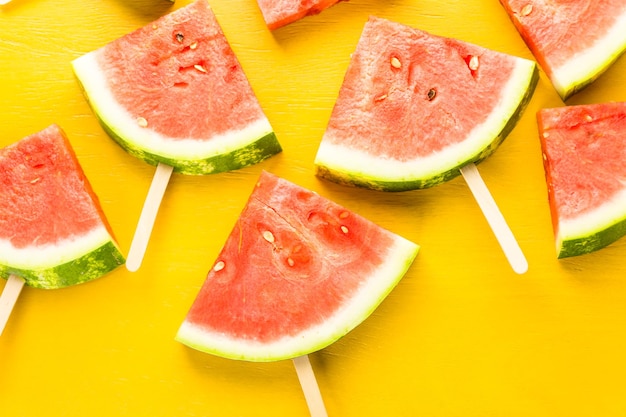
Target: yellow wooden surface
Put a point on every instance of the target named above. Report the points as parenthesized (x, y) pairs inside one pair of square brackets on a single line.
[(461, 335)]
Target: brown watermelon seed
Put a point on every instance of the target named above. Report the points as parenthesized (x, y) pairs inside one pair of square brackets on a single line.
[(526, 10), (219, 266), (142, 122), (432, 93), (267, 235), (395, 62), (473, 63), (180, 37)]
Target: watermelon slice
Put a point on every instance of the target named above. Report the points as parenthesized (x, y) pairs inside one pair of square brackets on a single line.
[(283, 12), (296, 273), (584, 149), (173, 92), (415, 107), (53, 232), (574, 41)]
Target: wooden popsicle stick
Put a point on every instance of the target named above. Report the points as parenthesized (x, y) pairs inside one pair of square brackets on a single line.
[(8, 298), (148, 215), (311, 390), (494, 217), (3, 2)]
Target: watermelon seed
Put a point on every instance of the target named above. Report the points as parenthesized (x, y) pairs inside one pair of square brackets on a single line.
[(193, 45), (291, 262), (219, 266), (200, 68), (395, 62), (180, 37), (36, 180), (142, 122), (380, 97), (526, 10), (344, 214), (473, 63), (432, 93), (344, 229), (267, 235)]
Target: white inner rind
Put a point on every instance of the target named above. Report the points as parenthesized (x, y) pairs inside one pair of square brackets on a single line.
[(356, 309), (125, 125), (594, 221), (357, 162), (591, 61), (36, 257)]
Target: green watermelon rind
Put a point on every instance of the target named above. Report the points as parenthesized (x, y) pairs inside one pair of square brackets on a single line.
[(594, 230), (376, 288), (356, 168), (87, 267), (233, 150), (588, 65)]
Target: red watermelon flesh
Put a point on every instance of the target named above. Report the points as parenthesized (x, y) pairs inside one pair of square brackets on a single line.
[(574, 41), (282, 12), (181, 49), (415, 107), (173, 92), (584, 149), (296, 273), (53, 231)]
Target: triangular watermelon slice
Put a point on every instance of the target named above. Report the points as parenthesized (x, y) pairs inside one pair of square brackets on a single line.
[(574, 41), (414, 108), (53, 232), (296, 273), (584, 149), (173, 92), (282, 12)]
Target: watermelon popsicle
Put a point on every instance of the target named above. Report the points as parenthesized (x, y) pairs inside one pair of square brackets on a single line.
[(53, 232), (174, 94), (416, 110), (296, 273)]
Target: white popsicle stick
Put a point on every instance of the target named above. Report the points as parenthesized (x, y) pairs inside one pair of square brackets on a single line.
[(3, 2), (8, 298), (311, 390), (494, 217), (148, 215)]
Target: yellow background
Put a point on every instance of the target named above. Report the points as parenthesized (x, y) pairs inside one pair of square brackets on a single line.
[(461, 335)]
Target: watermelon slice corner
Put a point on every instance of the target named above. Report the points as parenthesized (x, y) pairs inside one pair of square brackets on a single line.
[(573, 41), (173, 92), (584, 148), (415, 107), (53, 232), (281, 13), (297, 273)]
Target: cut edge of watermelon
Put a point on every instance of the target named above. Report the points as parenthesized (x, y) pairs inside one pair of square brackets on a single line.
[(341, 164), (593, 230), (381, 283), (69, 262), (588, 65), (232, 150)]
